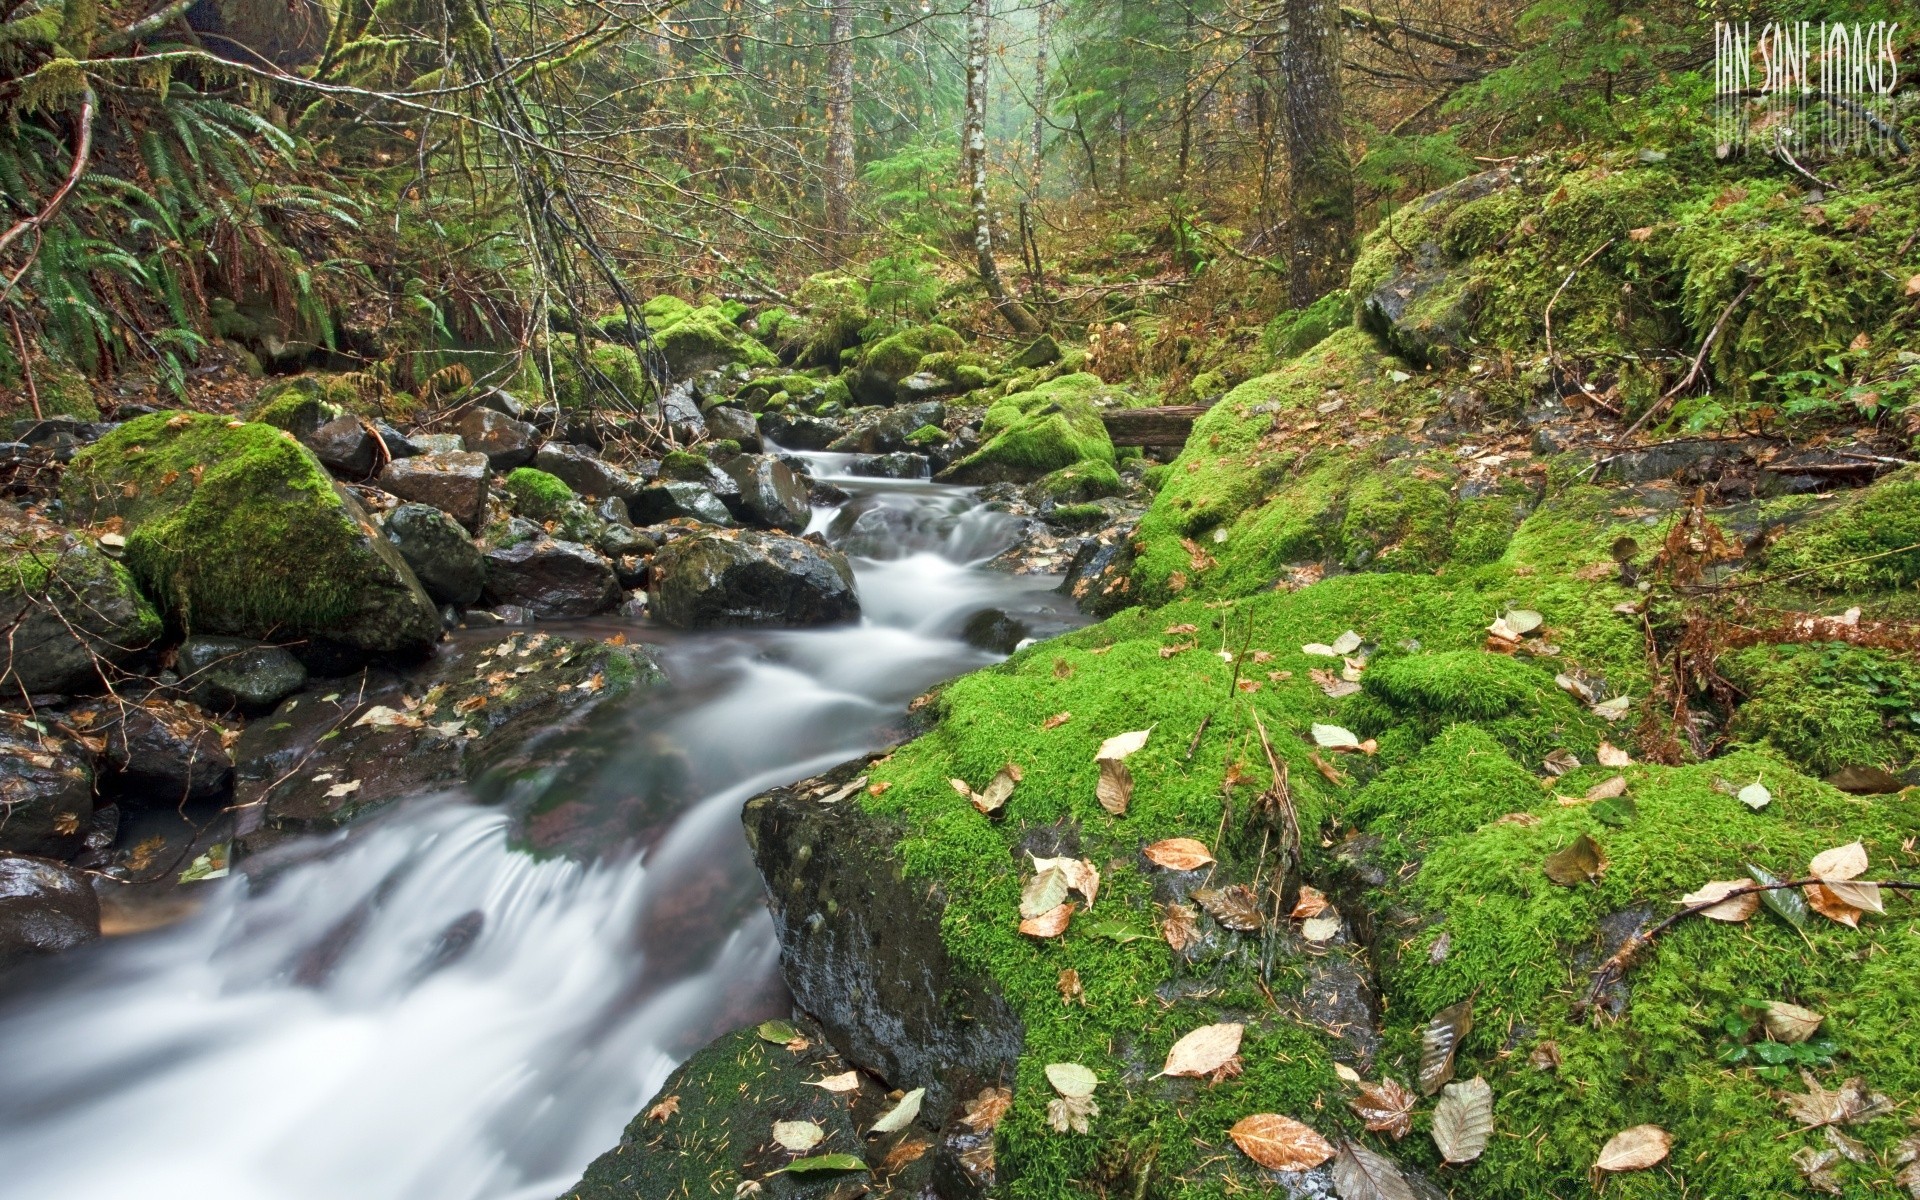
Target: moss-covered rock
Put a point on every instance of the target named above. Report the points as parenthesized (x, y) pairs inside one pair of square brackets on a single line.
[(537, 494), (298, 405), (235, 528), (1029, 434), (1863, 543), (608, 365), (69, 610), (884, 364), (1828, 706), (693, 340)]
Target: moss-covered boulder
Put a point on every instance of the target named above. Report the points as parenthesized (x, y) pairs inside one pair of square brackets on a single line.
[(612, 375), (692, 340), (1865, 543), (235, 528), (72, 614), (834, 305), (886, 363), (1028, 434)]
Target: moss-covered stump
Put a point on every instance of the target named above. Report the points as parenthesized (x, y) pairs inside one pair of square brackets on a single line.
[(1029, 434), (71, 613), (487, 705), (235, 528), (709, 1130)]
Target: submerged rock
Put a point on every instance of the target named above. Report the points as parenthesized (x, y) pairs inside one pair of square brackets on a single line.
[(45, 908), (751, 578)]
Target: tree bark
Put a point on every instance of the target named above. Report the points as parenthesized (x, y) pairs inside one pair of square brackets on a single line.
[(979, 13), (1042, 30), (840, 131), (1319, 173)]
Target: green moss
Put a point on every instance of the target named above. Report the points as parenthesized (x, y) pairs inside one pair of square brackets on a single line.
[(1399, 518), (299, 405), (1089, 479), (927, 435), (684, 463), (1828, 706), (1457, 782), (836, 306), (607, 364), (896, 357), (538, 495), (1028, 434), (1298, 330), (62, 390), (699, 339), (1862, 543)]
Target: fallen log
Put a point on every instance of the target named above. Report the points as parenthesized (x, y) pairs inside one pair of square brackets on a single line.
[(1166, 426)]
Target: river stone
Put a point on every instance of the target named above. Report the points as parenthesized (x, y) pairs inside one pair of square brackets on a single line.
[(454, 483), (898, 465), (682, 413), (344, 447), (551, 579), (162, 751), (771, 495), (585, 473), (799, 432), (45, 908), (861, 950), (440, 443), (507, 443), (46, 792), (348, 746), (674, 498), (63, 604), (751, 578), (726, 421), (890, 430), (226, 673), (994, 630), (441, 554), (397, 444)]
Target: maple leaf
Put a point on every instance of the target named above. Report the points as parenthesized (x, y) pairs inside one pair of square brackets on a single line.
[(664, 1109)]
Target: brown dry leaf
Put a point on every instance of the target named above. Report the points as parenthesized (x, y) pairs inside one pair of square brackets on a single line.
[(1463, 1120), (1235, 907), (1331, 683), (1179, 854), (1070, 989), (1841, 862), (1178, 648), (1327, 770), (1641, 234), (1082, 876), (664, 1109), (1913, 286), (1280, 1143), (1737, 909), (1115, 789), (1051, 923), (846, 1081), (1789, 1022), (1545, 1056), (997, 790), (1439, 1042), (1056, 720), (1385, 1107), (905, 1152), (1607, 789), (1183, 628), (1816, 1167), (1634, 1149), (1071, 1113), (1178, 926), (1847, 1105), (1581, 862), (1363, 1174), (1045, 892), (1310, 904), (1821, 899), (1205, 1050), (985, 1110), (1611, 755), (1560, 762)]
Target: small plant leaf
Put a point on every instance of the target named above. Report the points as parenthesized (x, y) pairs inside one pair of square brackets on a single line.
[(777, 1032), (1205, 1050), (1463, 1120), (1334, 737), (825, 1162), (1634, 1149), (1280, 1143)]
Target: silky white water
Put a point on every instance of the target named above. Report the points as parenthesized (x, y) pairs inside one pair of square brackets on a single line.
[(414, 1010)]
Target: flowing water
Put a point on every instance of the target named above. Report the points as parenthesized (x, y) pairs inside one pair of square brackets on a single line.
[(414, 1010)]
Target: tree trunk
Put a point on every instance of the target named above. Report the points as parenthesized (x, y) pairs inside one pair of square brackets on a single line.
[(1186, 103), (840, 131), (1042, 31), (1010, 308), (1319, 173)]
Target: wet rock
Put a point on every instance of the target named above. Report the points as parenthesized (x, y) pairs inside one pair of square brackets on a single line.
[(345, 446), (46, 792), (891, 429), (771, 495), (161, 751), (441, 554), (726, 421), (674, 498), (799, 432), (507, 443), (45, 909), (682, 467), (585, 473), (1099, 575), (551, 579), (992, 629), (681, 412), (66, 607), (397, 444), (751, 578), (223, 673), (898, 465), (350, 746), (861, 949), (618, 540), (454, 483), (503, 402), (440, 443), (1041, 351)]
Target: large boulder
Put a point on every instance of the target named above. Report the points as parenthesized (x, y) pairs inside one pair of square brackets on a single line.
[(584, 472), (1030, 434), (161, 751), (672, 498), (46, 792), (551, 579), (442, 556), (725, 421), (345, 446), (693, 340), (750, 578), (892, 429), (507, 443), (234, 673), (45, 908), (237, 529), (67, 609), (1414, 291), (797, 431), (455, 482), (771, 495), (483, 703), (893, 359)]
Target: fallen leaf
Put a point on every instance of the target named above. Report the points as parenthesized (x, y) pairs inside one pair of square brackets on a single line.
[(848, 1081), (824, 1162), (798, 1137), (1346, 643), (1051, 923), (1180, 629), (1115, 789), (1072, 1079), (1611, 755), (1321, 929), (1463, 1120), (382, 717), (1330, 683), (1617, 811), (1634, 1149), (1082, 876), (1310, 904), (1071, 1113), (1581, 862), (1865, 781), (1836, 868), (1851, 1148), (1056, 720), (1280, 1143), (1327, 770), (1523, 620), (1755, 796), (664, 1109), (1545, 1056), (1333, 737), (1385, 1107), (1574, 687), (1179, 854), (1846, 1105), (1739, 908), (1178, 927), (1319, 650), (1820, 899), (1789, 1022), (1345, 1073), (1363, 1174), (985, 1110), (1070, 989), (1607, 789), (1043, 893), (1120, 745), (1561, 761), (900, 1115), (997, 790), (1439, 1042), (1612, 710), (1785, 903), (1816, 1167), (780, 1033), (1235, 907), (1205, 1050), (1641, 234), (343, 789)]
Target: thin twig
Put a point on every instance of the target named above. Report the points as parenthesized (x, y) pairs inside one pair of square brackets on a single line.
[(1552, 362), (1693, 372)]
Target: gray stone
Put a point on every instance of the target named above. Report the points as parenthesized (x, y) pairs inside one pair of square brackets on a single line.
[(585, 473), (66, 608), (502, 402), (439, 443), (456, 484), (673, 498), (796, 431), (441, 554), (681, 411), (551, 579), (994, 630), (726, 421), (345, 447), (398, 444), (46, 793), (45, 908), (771, 495), (898, 465), (889, 430), (1040, 352), (507, 443), (223, 672), (751, 578)]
